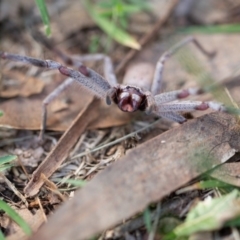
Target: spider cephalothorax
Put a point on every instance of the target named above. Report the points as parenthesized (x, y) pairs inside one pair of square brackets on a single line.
[(128, 98)]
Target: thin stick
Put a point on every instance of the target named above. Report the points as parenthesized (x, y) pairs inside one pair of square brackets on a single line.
[(13, 188), (41, 208), (116, 141)]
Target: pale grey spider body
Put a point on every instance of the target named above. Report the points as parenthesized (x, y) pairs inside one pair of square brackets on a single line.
[(128, 98)]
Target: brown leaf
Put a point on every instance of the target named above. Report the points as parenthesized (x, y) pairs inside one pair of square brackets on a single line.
[(145, 175), (21, 85)]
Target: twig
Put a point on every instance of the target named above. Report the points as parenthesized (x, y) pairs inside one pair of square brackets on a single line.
[(51, 186), (115, 141), (41, 208), (13, 188)]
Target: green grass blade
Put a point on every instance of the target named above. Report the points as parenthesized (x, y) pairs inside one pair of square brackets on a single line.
[(210, 215), (225, 28), (7, 159), (111, 29), (15, 217), (233, 223), (1, 113), (124, 9), (2, 236), (147, 219), (5, 167), (74, 182), (44, 15), (206, 184)]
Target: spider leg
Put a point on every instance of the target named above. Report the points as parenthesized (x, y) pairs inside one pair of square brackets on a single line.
[(108, 71), (48, 100), (175, 95), (77, 60), (190, 106), (157, 80), (108, 65), (88, 79), (173, 116)]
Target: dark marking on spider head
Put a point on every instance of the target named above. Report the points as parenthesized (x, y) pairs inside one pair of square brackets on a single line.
[(83, 70), (129, 98)]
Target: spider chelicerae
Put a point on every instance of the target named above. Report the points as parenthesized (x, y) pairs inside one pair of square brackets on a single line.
[(128, 98)]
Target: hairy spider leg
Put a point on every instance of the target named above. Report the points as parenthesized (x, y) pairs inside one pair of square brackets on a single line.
[(176, 95), (157, 79), (53, 95), (190, 106), (88, 79), (167, 104), (98, 87), (168, 110), (173, 116), (157, 100), (109, 74), (77, 62)]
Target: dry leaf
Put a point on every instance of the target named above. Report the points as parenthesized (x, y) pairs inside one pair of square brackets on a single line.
[(34, 221), (21, 85), (145, 175)]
